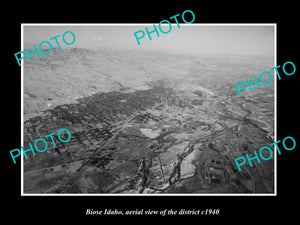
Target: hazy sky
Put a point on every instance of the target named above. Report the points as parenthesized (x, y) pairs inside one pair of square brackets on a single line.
[(191, 38)]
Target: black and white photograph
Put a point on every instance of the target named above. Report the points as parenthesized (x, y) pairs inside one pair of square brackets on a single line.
[(148, 112), (136, 113)]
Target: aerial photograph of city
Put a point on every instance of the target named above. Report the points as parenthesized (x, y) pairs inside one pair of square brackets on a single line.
[(159, 118)]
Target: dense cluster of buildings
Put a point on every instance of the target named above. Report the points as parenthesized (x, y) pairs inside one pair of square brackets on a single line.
[(112, 152)]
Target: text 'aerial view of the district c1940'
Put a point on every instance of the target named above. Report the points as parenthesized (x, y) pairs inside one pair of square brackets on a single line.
[(158, 118)]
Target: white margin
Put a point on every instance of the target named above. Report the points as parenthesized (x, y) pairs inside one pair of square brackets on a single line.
[(275, 109), (22, 112), (146, 24)]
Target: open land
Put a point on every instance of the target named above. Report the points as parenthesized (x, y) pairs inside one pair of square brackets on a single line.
[(146, 122)]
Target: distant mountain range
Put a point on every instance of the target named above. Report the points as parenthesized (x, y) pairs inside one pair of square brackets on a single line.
[(67, 74)]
